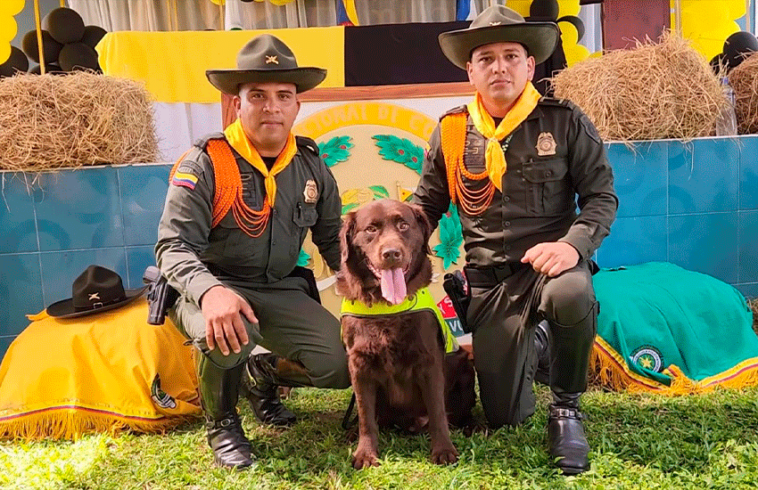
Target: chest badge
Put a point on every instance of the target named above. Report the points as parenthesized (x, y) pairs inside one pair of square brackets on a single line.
[(311, 192), (546, 144)]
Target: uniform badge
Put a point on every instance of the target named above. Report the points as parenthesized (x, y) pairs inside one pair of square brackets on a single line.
[(546, 144), (311, 192)]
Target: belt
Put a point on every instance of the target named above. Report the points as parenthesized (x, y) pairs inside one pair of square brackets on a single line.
[(487, 277)]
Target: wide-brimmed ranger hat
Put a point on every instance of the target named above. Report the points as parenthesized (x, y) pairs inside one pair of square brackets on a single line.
[(499, 24), (97, 289), (266, 59)]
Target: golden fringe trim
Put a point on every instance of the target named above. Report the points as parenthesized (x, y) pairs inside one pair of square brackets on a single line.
[(72, 424), (609, 370)]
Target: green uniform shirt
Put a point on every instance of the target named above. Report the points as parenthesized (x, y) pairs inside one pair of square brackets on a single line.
[(195, 257), (540, 187)]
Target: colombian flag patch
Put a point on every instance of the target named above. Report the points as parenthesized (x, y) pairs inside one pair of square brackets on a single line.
[(184, 180)]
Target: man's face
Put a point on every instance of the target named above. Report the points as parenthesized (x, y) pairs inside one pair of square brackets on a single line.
[(267, 112), (499, 71)]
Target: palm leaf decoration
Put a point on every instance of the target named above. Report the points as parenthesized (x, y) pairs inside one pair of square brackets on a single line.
[(451, 237), (400, 150), (336, 150), (303, 258)]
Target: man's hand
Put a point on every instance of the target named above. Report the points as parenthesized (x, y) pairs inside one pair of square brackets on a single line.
[(223, 324), (551, 258)]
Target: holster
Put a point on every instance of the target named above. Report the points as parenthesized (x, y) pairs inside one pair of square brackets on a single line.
[(160, 295), (457, 289)]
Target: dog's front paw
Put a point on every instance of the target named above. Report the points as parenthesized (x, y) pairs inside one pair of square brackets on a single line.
[(364, 459), (444, 455)]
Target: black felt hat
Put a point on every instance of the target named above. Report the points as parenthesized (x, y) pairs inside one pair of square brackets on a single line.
[(96, 290), (499, 24), (266, 59)]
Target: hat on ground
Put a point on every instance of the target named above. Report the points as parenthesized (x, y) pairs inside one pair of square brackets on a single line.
[(97, 289), (266, 59), (499, 24)]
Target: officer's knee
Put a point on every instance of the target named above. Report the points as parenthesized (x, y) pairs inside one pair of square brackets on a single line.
[(221, 361), (568, 299), (330, 371)]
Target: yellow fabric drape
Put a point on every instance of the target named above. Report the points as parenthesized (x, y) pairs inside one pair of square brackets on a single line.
[(172, 65), (235, 135), (106, 372), (495, 158)]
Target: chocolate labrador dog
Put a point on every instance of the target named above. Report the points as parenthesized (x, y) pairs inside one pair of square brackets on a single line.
[(400, 373)]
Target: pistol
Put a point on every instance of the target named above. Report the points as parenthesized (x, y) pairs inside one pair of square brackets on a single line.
[(458, 290), (160, 295)]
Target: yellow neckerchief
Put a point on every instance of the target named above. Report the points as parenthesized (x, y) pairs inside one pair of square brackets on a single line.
[(238, 140), (420, 301), (494, 155)]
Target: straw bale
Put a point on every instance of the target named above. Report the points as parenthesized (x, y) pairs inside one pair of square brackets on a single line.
[(653, 91), (62, 121), (744, 82)]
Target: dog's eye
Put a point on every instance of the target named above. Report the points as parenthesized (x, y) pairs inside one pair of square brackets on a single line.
[(370, 229), (403, 226)]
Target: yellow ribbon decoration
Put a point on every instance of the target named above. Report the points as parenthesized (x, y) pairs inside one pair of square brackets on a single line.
[(238, 140), (494, 157)]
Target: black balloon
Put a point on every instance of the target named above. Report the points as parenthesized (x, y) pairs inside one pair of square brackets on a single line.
[(15, 63), (93, 35), (573, 19), (65, 25), (738, 46), (717, 62), (544, 8), (77, 56), (30, 46), (49, 68)]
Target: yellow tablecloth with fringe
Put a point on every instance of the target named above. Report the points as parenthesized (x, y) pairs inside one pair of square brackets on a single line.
[(172, 64), (106, 372)]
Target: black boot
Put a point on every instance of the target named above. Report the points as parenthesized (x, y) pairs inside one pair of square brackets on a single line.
[(567, 441), (219, 391), (542, 346), (260, 386), (570, 348)]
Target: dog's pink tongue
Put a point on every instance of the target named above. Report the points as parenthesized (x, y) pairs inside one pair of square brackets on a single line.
[(393, 285)]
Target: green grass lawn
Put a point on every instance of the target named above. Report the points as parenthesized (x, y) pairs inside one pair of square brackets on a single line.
[(639, 442)]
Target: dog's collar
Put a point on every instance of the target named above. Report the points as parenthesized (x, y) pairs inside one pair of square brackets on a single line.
[(420, 301)]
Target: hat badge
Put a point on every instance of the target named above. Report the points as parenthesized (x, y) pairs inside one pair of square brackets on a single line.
[(495, 23), (271, 59)]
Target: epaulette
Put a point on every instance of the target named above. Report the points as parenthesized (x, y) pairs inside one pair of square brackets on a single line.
[(455, 110), (552, 101), (203, 142), (305, 142)]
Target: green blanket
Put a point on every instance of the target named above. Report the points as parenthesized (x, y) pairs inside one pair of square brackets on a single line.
[(668, 330)]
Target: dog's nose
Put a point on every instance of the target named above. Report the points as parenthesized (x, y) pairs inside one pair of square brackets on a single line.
[(391, 254)]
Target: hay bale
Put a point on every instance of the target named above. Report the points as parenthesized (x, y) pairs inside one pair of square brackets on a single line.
[(744, 82), (654, 91), (51, 121)]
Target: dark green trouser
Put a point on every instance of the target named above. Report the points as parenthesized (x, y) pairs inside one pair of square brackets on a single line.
[(503, 318), (292, 325)]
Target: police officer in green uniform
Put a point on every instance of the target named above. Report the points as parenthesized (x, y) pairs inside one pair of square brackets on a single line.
[(237, 211), (514, 163)]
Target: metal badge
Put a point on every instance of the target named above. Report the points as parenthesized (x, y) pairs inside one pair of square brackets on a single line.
[(311, 192), (546, 144)]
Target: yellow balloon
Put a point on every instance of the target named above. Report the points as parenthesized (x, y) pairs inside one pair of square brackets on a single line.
[(279, 3), (576, 53), (596, 54), (11, 7), (8, 29), (568, 7), (5, 52), (569, 34), (520, 6), (218, 2), (735, 8)]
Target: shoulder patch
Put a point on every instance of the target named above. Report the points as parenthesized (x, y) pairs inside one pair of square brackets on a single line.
[(305, 142), (590, 128), (188, 171), (455, 110), (203, 142)]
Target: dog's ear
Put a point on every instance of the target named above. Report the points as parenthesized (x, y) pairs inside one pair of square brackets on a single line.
[(346, 236), (423, 222)]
